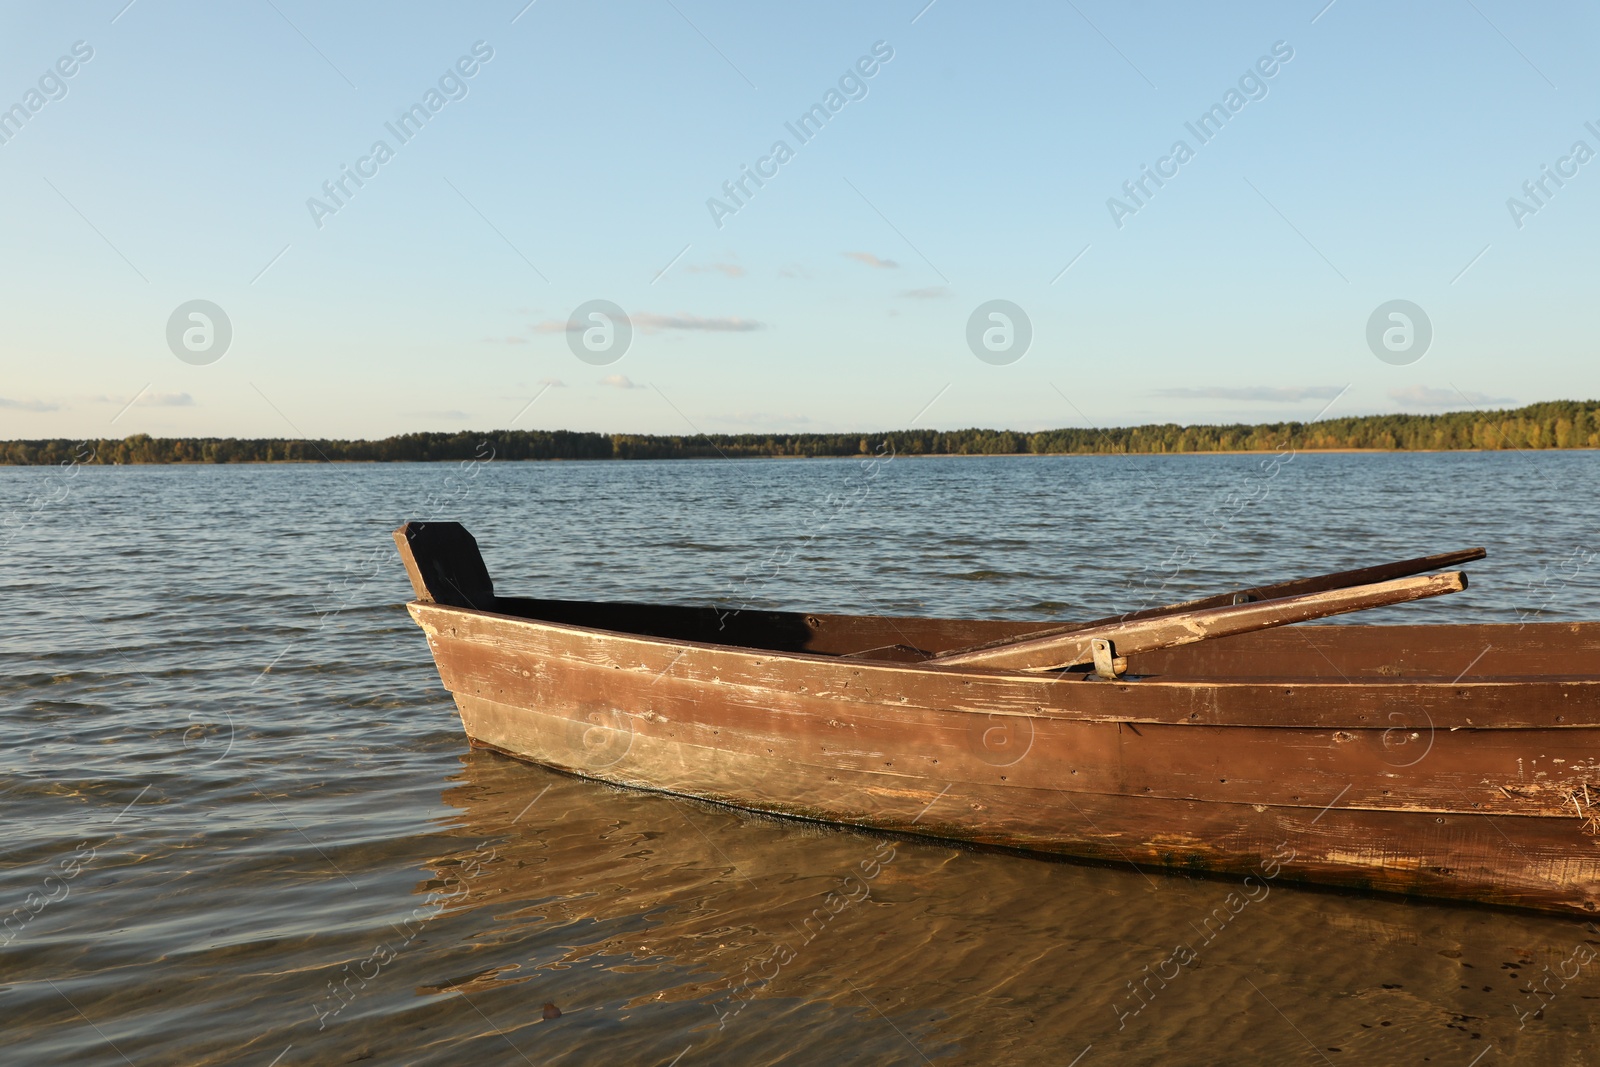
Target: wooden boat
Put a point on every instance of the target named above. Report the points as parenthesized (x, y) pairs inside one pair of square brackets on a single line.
[(1448, 761)]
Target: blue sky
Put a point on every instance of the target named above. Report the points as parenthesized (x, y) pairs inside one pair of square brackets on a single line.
[(576, 164)]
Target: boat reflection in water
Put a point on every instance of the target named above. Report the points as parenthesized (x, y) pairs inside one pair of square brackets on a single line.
[(660, 926), (682, 921)]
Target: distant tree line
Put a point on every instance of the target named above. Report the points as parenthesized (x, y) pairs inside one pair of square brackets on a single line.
[(1553, 424)]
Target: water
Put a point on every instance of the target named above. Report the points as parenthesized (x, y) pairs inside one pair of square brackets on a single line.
[(200, 849)]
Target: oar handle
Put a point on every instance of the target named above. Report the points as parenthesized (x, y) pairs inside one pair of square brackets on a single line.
[(1383, 572), (1184, 628)]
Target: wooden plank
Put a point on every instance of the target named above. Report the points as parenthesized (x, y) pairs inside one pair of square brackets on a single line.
[(1425, 652), (1295, 587), (444, 565), (1168, 631)]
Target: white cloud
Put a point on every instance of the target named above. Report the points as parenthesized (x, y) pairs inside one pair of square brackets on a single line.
[(761, 421), (650, 322), (1264, 393), (449, 413), (730, 270), (1423, 396), (148, 400), (619, 381), (871, 260), (27, 405)]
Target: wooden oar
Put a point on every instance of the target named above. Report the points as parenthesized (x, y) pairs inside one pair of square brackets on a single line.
[(1296, 587), (1102, 644)]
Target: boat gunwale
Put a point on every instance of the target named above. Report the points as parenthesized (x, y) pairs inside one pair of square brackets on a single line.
[(1393, 689)]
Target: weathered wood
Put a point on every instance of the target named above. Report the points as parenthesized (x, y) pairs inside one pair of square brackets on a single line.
[(1295, 587), (788, 733), (1435, 760), (1168, 631), (1053, 749), (1540, 863), (1427, 652), (1524, 653), (1383, 572), (829, 685)]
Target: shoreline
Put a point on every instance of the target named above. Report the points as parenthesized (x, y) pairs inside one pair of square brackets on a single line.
[(842, 458), (1555, 425)]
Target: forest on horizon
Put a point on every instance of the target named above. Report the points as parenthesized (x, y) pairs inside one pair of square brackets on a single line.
[(1556, 424)]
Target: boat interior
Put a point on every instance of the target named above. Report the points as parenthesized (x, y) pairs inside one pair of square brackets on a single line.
[(1325, 652), (1258, 633)]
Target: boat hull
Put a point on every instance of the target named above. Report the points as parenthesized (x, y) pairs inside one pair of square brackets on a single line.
[(1458, 790)]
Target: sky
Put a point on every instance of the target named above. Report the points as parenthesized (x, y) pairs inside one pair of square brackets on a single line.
[(1356, 154)]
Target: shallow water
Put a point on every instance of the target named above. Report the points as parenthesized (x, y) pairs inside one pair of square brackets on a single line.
[(242, 824)]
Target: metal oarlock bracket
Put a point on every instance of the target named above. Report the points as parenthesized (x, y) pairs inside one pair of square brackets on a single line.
[(1105, 657)]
